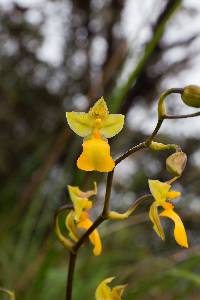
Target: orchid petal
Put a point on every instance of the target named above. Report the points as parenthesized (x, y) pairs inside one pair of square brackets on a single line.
[(94, 237), (154, 217), (71, 226), (112, 125), (99, 109), (80, 123), (96, 156), (117, 291), (159, 190), (179, 229), (173, 195), (79, 203), (103, 291)]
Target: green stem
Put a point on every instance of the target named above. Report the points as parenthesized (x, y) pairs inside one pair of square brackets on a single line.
[(122, 216), (161, 102), (8, 292)]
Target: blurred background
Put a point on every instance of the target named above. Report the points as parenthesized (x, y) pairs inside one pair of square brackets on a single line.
[(61, 55)]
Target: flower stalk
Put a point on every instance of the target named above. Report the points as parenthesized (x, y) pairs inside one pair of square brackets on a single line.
[(9, 293)]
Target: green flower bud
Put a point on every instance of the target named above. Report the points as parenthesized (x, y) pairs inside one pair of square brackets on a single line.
[(176, 163), (191, 95)]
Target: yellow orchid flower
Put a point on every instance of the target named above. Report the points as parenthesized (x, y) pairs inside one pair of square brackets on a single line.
[(104, 292), (96, 156), (79, 218), (161, 193), (96, 126)]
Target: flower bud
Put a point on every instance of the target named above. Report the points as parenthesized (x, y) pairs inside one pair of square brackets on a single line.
[(176, 163), (191, 95)]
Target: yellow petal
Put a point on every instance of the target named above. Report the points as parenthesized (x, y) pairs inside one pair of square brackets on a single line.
[(173, 195), (96, 156), (99, 109), (103, 291), (154, 217), (179, 229), (94, 237), (80, 122), (71, 226), (79, 203), (112, 125), (117, 292), (159, 190), (67, 243)]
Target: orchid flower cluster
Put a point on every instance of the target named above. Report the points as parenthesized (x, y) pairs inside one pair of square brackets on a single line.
[(96, 127)]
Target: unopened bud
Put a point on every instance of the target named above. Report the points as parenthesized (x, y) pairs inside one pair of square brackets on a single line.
[(191, 95), (176, 163)]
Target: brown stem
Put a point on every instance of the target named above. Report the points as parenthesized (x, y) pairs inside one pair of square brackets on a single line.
[(108, 193), (142, 145), (71, 268), (103, 215), (182, 116), (130, 151), (98, 221)]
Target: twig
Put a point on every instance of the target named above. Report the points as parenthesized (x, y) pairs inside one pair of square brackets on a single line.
[(182, 116), (130, 151)]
